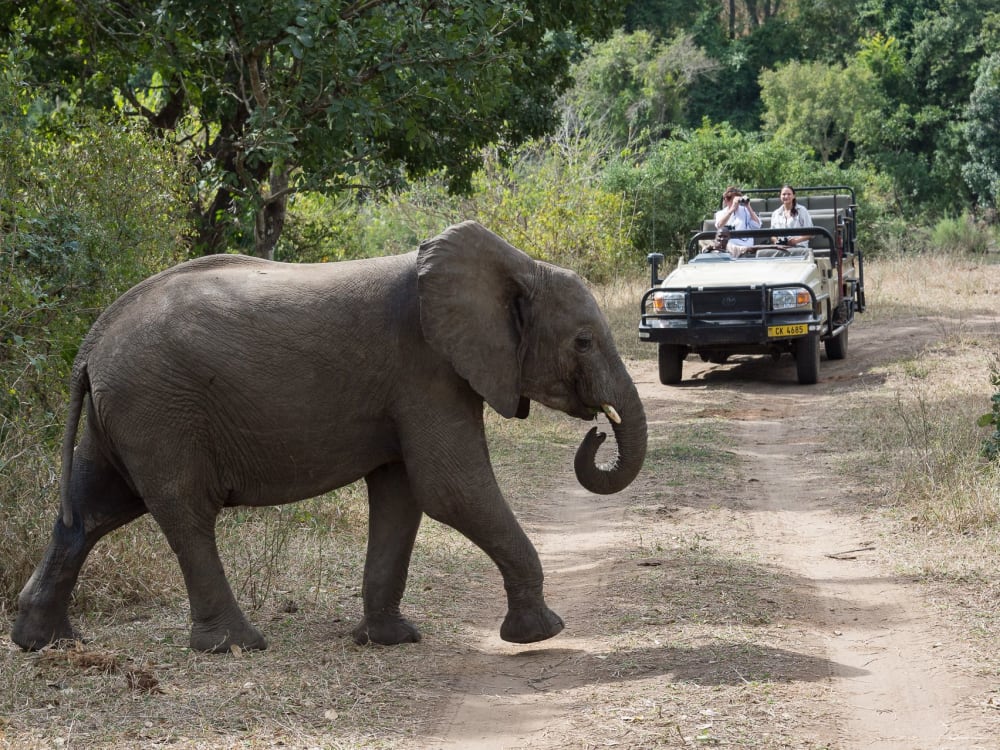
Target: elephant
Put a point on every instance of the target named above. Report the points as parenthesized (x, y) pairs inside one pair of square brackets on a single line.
[(230, 381)]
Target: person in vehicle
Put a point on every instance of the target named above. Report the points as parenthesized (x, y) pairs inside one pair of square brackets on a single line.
[(737, 214), (790, 216)]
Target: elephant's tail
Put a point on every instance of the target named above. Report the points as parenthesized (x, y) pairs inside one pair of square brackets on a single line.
[(78, 387)]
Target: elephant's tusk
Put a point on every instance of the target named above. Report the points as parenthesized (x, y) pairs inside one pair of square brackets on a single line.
[(612, 414)]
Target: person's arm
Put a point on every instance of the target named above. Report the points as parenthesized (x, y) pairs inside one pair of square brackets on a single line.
[(802, 220), (723, 215), (777, 222)]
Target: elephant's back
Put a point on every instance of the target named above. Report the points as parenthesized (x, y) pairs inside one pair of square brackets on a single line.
[(252, 323), (238, 292)]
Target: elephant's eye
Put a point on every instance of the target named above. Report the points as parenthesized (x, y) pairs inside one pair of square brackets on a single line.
[(583, 343)]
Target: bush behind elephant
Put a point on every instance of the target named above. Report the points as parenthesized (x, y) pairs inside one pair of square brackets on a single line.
[(231, 380)]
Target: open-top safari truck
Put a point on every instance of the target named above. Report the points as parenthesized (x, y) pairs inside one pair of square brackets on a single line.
[(772, 299)]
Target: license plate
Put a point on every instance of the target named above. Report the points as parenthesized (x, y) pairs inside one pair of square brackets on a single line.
[(776, 332)]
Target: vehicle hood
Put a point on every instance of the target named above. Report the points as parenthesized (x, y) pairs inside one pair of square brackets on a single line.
[(743, 272)]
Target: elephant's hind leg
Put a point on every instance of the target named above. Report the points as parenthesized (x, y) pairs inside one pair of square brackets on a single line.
[(394, 518), (218, 623), (101, 501)]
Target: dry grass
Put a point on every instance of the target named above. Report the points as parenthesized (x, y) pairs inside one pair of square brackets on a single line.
[(620, 302), (139, 684), (914, 438), (919, 433), (955, 287)]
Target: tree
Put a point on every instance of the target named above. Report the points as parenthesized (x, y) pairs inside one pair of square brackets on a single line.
[(270, 97), (634, 86), (982, 133), (919, 140), (666, 18), (817, 105)]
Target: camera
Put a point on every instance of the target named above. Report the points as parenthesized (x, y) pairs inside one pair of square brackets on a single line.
[(744, 201)]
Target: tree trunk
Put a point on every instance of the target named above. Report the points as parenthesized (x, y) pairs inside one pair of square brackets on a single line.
[(270, 218), (212, 234)]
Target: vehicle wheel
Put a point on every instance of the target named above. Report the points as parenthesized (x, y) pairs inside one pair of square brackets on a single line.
[(807, 359), (836, 348), (671, 359)]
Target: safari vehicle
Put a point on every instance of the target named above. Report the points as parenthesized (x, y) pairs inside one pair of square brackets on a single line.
[(771, 300)]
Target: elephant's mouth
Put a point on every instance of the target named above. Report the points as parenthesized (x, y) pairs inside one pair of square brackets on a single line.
[(572, 402)]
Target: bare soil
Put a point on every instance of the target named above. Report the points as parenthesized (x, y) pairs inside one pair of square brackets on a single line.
[(767, 611)]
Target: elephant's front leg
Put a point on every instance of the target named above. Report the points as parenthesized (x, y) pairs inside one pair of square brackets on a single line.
[(393, 520), (498, 533), (456, 486)]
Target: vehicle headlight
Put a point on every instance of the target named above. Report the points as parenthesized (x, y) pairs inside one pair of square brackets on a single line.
[(669, 303), (789, 299)]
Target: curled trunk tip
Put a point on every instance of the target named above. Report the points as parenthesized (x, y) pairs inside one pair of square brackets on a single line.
[(616, 476)]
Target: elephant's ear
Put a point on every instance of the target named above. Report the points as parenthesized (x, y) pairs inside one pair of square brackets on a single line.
[(474, 292)]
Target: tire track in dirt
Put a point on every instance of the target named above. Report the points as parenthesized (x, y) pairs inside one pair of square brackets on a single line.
[(892, 664)]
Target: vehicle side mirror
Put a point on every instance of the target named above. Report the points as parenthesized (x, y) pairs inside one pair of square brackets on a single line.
[(654, 260)]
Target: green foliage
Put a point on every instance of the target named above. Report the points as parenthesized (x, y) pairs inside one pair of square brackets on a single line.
[(633, 86), (88, 208), (551, 204), (680, 181), (546, 200), (274, 96), (991, 445), (818, 105), (324, 228), (665, 18), (960, 235), (320, 229), (982, 132)]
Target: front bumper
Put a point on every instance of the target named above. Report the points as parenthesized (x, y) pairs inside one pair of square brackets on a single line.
[(718, 318)]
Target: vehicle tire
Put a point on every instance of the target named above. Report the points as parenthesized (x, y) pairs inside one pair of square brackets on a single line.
[(836, 348), (807, 359), (671, 360)]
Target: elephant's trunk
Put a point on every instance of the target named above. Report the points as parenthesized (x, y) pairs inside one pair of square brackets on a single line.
[(630, 436)]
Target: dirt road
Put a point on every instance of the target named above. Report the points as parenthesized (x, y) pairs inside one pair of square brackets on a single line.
[(754, 609)]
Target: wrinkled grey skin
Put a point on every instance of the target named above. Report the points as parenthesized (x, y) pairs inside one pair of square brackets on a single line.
[(231, 380)]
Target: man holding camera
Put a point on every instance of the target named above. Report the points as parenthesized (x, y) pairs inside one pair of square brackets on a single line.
[(737, 214)]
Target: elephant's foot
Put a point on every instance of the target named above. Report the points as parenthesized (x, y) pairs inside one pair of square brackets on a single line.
[(386, 631), (220, 639), (33, 633), (530, 625)]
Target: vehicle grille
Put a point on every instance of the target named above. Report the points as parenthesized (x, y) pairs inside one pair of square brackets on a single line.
[(726, 302)]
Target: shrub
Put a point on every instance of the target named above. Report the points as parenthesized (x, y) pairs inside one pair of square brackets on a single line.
[(960, 235), (991, 445), (320, 229), (679, 182), (550, 203), (89, 207)]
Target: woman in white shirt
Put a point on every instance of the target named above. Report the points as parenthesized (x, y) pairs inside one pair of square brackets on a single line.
[(790, 216)]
